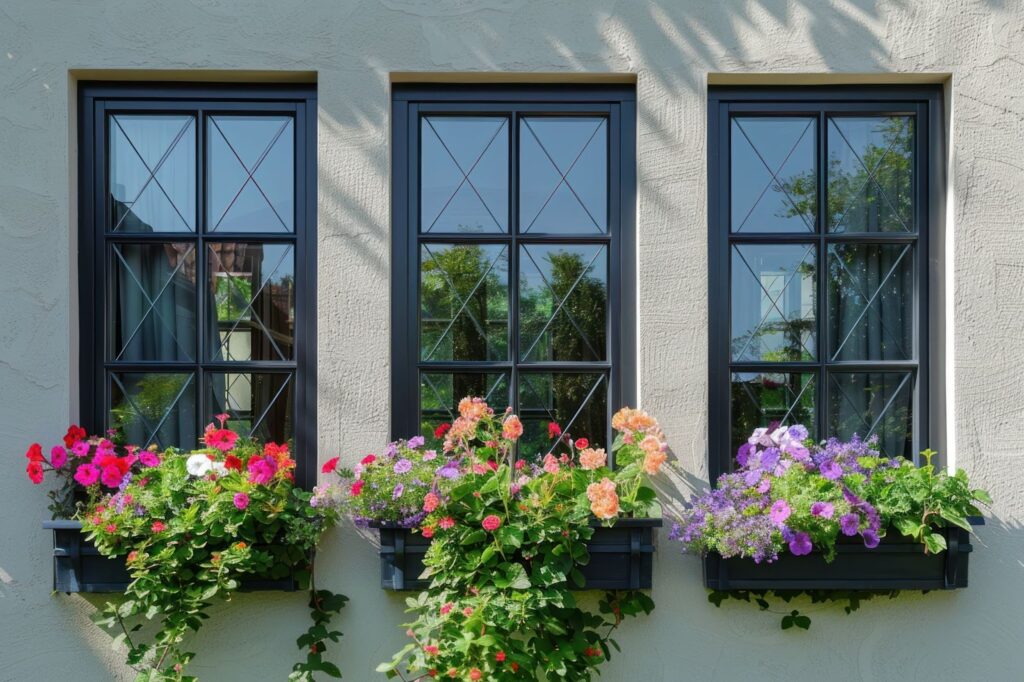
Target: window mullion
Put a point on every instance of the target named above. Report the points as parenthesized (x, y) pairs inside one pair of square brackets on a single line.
[(821, 312), (201, 279), (513, 261)]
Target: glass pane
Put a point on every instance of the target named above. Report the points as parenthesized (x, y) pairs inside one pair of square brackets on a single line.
[(563, 175), (773, 184), (774, 302), (563, 302), (252, 287), (258, 404), (154, 408), (250, 174), (765, 398), (153, 311), (577, 402), (440, 393), (152, 167), (870, 174), (464, 174), (870, 301), (464, 302), (869, 403)]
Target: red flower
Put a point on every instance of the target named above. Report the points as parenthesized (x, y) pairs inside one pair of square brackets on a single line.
[(356, 488), (492, 464), (232, 462), (430, 650), (591, 651), (35, 472), (158, 527), (515, 667), (554, 430), (500, 657), (582, 443), (428, 531), (75, 433), (520, 463), (111, 528), (369, 459), (35, 453), (475, 674), (132, 556), (491, 523), (441, 430), (330, 465)]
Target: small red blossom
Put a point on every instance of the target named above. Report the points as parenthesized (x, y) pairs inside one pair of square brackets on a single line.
[(158, 527), (369, 459), (520, 463), (491, 523), (500, 657), (446, 523), (428, 531), (554, 430), (233, 463), (75, 433), (591, 651), (35, 472), (35, 453), (446, 608), (442, 429), (492, 465), (475, 674), (330, 465), (430, 650), (515, 667), (430, 502), (356, 488), (132, 556), (111, 528), (582, 443)]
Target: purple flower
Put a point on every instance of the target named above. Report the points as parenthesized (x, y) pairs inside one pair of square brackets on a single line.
[(415, 442), (429, 455), (822, 509), (770, 458), (800, 544), (798, 432), (780, 512), (849, 523), (397, 492), (403, 466), (831, 470), (752, 477), (870, 538), (764, 486), (743, 454), (449, 471), (391, 450), (241, 500)]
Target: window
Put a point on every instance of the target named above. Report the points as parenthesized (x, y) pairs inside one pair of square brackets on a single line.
[(513, 257), (197, 262), (819, 215)]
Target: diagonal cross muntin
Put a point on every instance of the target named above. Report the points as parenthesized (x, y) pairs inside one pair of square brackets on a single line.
[(156, 169), (871, 174), (870, 301), (465, 174), (563, 176), (775, 301), (250, 173), (153, 431), (775, 175)]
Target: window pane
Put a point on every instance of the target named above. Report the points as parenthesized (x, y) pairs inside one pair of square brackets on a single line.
[(250, 174), (774, 302), (152, 167), (563, 175), (154, 408), (773, 174), (153, 291), (869, 403), (464, 174), (463, 302), (563, 302), (870, 174), (252, 288), (870, 301), (258, 403), (440, 393), (763, 398), (577, 402)]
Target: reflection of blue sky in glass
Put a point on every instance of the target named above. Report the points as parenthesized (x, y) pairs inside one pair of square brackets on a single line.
[(761, 147), (236, 147), (576, 147), (464, 174), (152, 166)]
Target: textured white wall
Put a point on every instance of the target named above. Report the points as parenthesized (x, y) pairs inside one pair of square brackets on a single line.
[(671, 46)]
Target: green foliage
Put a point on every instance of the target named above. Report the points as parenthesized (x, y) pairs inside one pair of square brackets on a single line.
[(323, 606)]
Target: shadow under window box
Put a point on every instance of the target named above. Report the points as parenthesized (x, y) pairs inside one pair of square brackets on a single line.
[(621, 556), (79, 567), (898, 563)]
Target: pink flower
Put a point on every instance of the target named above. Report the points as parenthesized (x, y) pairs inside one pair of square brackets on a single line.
[(446, 608), (356, 488), (582, 443), (550, 464), (241, 500), (446, 523), (369, 459), (149, 459), (111, 476), (80, 448), (468, 611), (158, 527), (430, 650), (512, 429), (780, 511), (427, 531), (58, 457), (430, 502), (111, 528), (222, 418), (222, 439), (329, 466), (491, 523), (823, 509), (261, 469), (554, 430), (87, 474), (593, 458), (604, 502)]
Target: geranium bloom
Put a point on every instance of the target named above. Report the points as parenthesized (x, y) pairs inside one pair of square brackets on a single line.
[(491, 523), (512, 429), (500, 657), (475, 674), (58, 457), (593, 458), (550, 464), (111, 528), (780, 512), (430, 502), (582, 443), (446, 608), (87, 474), (427, 531), (554, 430), (430, 650), (150, 459), (468, 611), (823, 509), (75, 433), (604, 502), (330, 465), (241, 501), (446, 523), (369, 459), (441, 430), (158, 527), (473, 408), (35, 472), (629, 419), (221, 439), (653, 461)]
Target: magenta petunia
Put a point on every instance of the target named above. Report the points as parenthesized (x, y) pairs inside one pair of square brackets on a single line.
[(111, 476), (87, 474), (800, 544), (780, 511), (849, 523), (58, 457), (149, 459), (241, 500), (823, 509)]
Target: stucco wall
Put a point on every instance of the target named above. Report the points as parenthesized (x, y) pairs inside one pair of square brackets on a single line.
[(671, 46)]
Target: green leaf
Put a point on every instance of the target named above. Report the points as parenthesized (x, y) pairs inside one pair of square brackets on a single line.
[(981, 496), (517, 578), (934, 543)]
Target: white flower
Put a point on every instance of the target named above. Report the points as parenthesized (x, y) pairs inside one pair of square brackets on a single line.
[(755, 438), (220, 468), (198, 465)]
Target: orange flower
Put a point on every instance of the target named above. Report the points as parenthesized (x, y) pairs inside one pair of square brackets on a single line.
[(473, 408), (512, 429), (653, 462), (593, 458), (604, 503), (629, 419)]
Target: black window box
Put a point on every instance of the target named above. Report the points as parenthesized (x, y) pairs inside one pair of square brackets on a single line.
[(79, 567), (621, 556), (898, 563)]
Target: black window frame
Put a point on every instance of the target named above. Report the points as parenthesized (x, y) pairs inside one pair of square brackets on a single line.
[(95, 101), (409, 102), (924, 102)]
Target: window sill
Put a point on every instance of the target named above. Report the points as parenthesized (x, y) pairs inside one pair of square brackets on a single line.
[(898, 563)]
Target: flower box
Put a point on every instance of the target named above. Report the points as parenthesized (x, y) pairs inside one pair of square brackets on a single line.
[(898, 563), (79, 567), (621, 556)]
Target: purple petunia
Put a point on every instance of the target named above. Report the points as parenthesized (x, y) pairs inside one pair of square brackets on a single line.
[(849, 523), (823, 509), (415, 442), (800, 544), (743, 454), (403, 466), (397, 492), (780, 512), (870, 538), (830, 470)]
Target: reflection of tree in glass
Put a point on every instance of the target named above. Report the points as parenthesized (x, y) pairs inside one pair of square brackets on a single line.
[(154, 396), (780, 339)]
